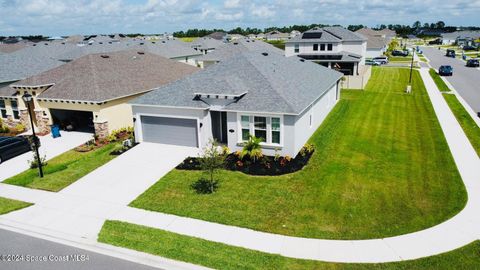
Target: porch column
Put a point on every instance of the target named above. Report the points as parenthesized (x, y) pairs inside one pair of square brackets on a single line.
[(43, 126)]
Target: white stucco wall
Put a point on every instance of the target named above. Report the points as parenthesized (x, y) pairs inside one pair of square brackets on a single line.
[(319, 111), (371, 53)]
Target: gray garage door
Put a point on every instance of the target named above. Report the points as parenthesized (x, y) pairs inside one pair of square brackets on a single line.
[(177, 131)]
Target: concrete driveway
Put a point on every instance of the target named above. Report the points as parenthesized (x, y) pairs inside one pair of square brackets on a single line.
[(80, 210), (464, 79), (50, 147)]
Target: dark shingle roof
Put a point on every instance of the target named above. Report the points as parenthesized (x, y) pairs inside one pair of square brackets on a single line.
[(97, 78), (272, 83)]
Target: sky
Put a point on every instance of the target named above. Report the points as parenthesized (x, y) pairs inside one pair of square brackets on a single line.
[(70, 17)]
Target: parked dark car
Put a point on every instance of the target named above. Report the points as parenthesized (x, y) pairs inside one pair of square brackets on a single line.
[(473, 63), (11, 147), (450, 53), (437, 41), (470, 48), (399, 53), (445, 70)]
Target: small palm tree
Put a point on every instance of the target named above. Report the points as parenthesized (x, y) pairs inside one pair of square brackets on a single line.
[(252, 148)]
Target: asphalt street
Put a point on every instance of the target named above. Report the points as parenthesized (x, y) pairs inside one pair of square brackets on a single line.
[(22, 252), (465, 80)]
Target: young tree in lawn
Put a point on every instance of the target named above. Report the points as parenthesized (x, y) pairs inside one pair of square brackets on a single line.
[(211, 161)]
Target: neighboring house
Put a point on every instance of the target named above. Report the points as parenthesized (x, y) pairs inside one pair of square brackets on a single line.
[(377, 42), (90, 93), (281, 100), (295, 33), (333, 47), (234, 37), (173, 49), (276, 36), (31, 60), (218, 36), (460, 38), (232, 49), (206, 45)]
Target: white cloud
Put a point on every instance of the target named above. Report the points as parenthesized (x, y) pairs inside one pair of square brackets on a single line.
[(262, 11), (229, 16), (231, 3)]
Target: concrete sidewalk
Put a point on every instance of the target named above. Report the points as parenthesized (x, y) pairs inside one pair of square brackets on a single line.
[(50, 148)]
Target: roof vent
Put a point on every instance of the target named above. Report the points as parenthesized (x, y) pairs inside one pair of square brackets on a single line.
[(163, 41), (34, 44), (141, 52), (100, 42), (264, 53), (153, 42), (302, 60), (109, 42), (235, 43), (46, 43), (104, 56), (141, 43)]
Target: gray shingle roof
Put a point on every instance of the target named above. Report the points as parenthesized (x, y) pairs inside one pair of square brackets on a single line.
[(31, 60), (234, 48), (206, 43), (272, 83), (95, 78), (328, 34)]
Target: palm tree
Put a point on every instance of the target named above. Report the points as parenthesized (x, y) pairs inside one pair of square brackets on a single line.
[(252, 148)]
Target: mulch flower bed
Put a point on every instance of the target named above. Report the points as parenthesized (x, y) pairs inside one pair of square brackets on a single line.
[(266, 165)]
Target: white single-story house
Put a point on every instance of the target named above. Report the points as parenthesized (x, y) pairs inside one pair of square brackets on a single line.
[(281, 100)]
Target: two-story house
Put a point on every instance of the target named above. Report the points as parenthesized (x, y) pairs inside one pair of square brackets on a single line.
[(333, 47)]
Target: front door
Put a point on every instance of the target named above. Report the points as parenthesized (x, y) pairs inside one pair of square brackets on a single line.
[(219, 126)]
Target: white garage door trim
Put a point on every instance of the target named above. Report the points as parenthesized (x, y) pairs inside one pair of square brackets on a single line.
[(139, 126)]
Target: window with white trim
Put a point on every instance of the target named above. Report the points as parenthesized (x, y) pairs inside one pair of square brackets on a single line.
[(297, 48), (16, 113), (322, 47), (245, 123), (3, 108), (330, 47), (275, 130), (315, 47), (267, 128), (260, 127)]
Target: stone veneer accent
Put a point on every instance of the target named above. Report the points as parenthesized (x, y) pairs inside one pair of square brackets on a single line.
[(10, 122), (42, 123), (101, 129), (24, 118)]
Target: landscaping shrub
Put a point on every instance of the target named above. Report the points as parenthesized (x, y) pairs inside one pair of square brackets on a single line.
[(19, 128), (266, 165), (34, 162)]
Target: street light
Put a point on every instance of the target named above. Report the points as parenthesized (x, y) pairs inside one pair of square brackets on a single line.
[(409, 86), (28, 99)]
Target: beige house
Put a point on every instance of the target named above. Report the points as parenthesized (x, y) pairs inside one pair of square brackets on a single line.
[(91, 93)]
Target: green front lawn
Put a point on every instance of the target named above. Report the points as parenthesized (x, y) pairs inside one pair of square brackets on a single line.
[(63, 170), (381, 168), (221, 256), (442, 86), (400, 58), (9, 205), (463, 117), (277, 43)]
